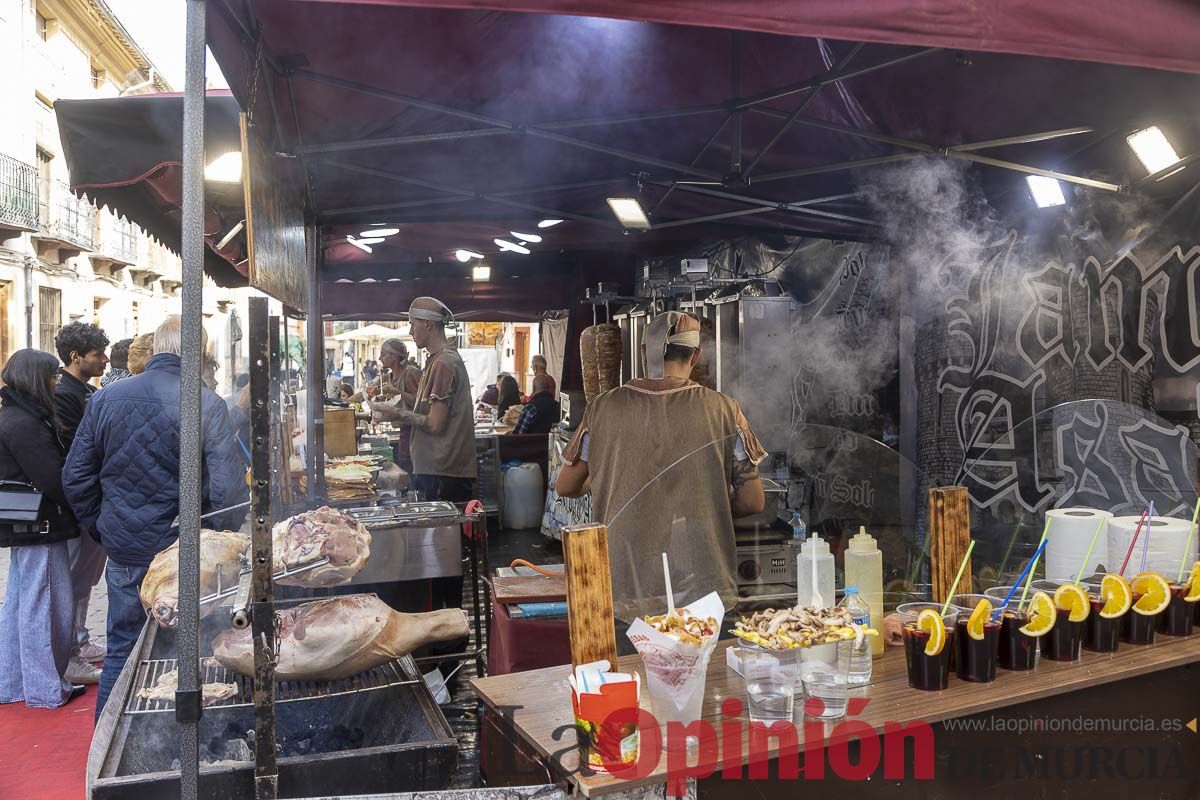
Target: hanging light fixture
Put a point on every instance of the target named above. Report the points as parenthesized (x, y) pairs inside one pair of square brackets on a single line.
[(504, 244), (466, 255), (1151, 147), (549, 223), (526, 237), (1047, 192), (373, 232), (358, 244), (629, 212), (372, 240)]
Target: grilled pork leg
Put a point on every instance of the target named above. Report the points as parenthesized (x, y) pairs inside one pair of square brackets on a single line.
[(160, 588), (312, 535), (341, 636)]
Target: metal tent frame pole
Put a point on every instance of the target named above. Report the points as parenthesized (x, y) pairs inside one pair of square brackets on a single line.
[(263, 391), (187, 696), (315, 334)]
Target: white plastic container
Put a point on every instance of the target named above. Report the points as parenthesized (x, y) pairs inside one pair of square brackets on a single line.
[(814, 547), (864, 570), (524, 500)]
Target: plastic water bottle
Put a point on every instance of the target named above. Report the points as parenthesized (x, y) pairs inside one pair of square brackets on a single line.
[(799, 529), (856, 657)]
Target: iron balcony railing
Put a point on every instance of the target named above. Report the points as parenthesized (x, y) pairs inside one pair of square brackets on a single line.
[(18, 194), (116, 238), (65, 217)]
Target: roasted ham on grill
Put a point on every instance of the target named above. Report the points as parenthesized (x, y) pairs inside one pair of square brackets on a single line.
[(341, 636), (160, 588), (313, 535)]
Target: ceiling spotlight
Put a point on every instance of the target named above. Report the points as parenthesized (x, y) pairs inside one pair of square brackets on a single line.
[(527, 237), (549, 223), (504, 244), (359, 244), (1152, 149), (1046, 192), (629, 212), (227, 168), (373, 232), (372, 240), (466, 255), (481, 272)]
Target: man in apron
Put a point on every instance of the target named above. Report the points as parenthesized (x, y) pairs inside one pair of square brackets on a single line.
[(670, 464)]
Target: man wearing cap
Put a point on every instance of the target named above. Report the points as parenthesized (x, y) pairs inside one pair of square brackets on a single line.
[(443, 432), (399, 384), (670, 464), (441, 417)]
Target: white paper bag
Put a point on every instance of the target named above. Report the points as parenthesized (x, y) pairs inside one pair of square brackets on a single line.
[(676, 671)]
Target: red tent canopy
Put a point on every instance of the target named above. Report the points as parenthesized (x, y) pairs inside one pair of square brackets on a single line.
[(418, 113), (460, 122), (1142, 33)]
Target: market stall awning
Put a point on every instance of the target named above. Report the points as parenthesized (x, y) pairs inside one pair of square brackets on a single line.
[(420, 115), (126, 153), (459, 125), (1160, 34)]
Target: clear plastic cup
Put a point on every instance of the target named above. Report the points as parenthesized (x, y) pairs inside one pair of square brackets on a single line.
[(975, 660), (1017, 651), (1065, 639), (825, 692), (770, 677), (925, 672)]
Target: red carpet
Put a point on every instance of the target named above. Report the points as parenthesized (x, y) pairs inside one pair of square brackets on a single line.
[(44, 751)]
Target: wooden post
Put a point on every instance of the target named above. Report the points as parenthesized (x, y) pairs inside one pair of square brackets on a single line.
[(589, 594), (949, 535)]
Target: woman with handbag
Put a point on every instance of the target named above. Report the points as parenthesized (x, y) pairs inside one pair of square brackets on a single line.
[(36, 620)]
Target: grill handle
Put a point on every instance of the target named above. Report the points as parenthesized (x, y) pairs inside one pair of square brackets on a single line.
[(239, 616)]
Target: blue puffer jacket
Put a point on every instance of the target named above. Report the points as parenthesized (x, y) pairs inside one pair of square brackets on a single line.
[(122, 474)]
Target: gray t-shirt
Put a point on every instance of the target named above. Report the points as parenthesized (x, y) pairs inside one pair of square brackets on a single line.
[(450, 453)]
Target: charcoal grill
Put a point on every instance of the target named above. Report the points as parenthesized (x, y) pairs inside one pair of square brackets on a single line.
[(378, 731), (211, 671)]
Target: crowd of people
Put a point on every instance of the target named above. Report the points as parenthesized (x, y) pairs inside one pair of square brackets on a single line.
[(101, 469)]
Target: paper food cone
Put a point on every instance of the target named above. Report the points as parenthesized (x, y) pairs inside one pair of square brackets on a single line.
[(675, 670)]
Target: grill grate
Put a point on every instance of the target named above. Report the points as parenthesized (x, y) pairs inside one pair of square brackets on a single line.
[(211, 671)]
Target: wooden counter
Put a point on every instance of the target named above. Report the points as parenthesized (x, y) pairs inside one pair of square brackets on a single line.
[(541, 699)]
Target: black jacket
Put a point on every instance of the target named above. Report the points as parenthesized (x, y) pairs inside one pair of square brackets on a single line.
[(540, 415), (31, 450), (70, 400)]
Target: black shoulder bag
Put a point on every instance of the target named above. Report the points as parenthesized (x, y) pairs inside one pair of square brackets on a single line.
[(21, 508)]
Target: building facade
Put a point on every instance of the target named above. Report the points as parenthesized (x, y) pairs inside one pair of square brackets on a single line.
[(61, 258)]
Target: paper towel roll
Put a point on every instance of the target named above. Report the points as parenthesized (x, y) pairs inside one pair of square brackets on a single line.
[(1164, 550), (1070, 535)]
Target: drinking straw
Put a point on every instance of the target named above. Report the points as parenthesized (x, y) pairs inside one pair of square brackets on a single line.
[(961, 569), (1033, 562), (1136, 532), (1187, 546), (667, 581), (1027, 571), (1146, 541), (1087, 558), (912, 577)]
